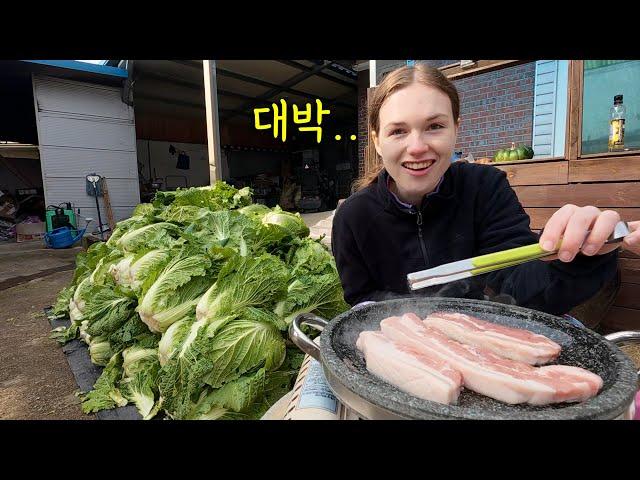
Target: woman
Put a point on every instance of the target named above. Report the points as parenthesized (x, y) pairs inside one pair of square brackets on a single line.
[(418, 210)]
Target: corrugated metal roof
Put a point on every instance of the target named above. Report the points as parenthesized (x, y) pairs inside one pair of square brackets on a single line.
[(83, 67)]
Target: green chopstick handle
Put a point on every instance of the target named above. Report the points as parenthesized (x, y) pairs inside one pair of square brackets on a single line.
[(498, 266), (518, 254)]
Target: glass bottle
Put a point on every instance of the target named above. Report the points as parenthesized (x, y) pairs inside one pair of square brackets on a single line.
[(616, 125)]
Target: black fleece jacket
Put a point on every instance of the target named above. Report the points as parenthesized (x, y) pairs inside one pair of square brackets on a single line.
[(377, 242)]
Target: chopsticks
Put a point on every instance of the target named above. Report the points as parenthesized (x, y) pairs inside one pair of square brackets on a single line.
[(490, 262)]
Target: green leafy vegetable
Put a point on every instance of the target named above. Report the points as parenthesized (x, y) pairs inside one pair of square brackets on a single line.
[(188, 303), (292, 222), (176, 291)]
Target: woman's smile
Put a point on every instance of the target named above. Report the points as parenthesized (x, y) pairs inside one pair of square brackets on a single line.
[(418, 168)]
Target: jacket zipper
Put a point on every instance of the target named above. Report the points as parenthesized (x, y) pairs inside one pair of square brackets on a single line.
[(421, 238)]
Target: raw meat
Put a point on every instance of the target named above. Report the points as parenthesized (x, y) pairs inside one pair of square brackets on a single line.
[(409, 370), (489, 374), (513, 343), (585, 384)]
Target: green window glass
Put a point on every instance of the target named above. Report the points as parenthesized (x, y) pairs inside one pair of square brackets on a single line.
[(603, 80)]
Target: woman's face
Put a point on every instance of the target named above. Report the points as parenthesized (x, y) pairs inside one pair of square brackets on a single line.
[(416, 138)]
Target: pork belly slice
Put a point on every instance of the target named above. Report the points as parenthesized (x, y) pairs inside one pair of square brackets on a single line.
[(513, 343), (408, 369), (585, 383), (486, 373)]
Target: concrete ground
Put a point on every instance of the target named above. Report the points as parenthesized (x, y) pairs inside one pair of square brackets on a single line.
[(320, 224), (35, 380), (21, 262)]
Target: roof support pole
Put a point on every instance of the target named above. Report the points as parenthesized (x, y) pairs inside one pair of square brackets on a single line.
[(373, 73), (213, 124)]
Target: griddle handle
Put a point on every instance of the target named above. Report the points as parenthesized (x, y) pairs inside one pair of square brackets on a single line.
[(298, 337), (626, 337)]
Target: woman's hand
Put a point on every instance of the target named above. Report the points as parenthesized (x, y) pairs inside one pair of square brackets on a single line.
[(632, 241), (572, 224)]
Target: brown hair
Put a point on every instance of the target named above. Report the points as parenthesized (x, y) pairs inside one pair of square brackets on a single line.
[(394, 81)]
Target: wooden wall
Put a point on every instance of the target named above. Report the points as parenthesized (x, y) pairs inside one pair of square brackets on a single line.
[(608, 183)]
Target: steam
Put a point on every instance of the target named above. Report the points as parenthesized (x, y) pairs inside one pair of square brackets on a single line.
[(469, 288)]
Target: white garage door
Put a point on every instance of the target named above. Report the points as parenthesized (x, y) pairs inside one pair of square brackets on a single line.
[(85, 128)]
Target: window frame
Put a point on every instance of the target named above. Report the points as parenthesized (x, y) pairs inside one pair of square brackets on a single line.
[(573, 126), (573, 144)]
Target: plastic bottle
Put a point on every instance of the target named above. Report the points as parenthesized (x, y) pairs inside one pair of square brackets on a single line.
[(617, 115)]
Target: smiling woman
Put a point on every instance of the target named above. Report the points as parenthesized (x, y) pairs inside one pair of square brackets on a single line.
[(416, 140), (421, 110), (417, 210)]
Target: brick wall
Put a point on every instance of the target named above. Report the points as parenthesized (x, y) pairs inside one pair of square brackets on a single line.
[(439, 63), (496, 108)]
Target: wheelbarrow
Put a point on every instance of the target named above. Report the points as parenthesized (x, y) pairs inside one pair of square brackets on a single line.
[(63, 237)]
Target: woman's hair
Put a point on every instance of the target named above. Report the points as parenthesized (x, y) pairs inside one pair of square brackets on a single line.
[(394, 81)]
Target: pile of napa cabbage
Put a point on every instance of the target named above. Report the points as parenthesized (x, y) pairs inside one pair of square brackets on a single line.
[(188, 303)]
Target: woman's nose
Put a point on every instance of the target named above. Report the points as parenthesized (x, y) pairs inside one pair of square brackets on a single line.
[(417, 144)]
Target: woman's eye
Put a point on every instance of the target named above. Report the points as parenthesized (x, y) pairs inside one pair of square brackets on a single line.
[(397, 131), (435, 126)]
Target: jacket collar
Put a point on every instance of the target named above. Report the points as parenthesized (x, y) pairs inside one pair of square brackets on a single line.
[(443, 195)]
